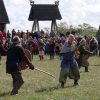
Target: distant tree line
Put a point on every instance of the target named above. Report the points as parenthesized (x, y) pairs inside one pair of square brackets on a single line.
[(81, 29)]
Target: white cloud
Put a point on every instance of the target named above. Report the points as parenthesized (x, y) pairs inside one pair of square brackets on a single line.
[(73, 12)]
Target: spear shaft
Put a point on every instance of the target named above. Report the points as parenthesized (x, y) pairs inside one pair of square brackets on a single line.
[(44, 72)]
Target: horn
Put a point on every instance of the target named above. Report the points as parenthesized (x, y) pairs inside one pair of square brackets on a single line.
[(23, 64)]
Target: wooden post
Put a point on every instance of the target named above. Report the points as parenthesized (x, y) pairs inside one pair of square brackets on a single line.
[(35, 26), (54, 27)]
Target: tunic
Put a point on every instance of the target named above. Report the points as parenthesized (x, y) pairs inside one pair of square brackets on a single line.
[(14, 55)]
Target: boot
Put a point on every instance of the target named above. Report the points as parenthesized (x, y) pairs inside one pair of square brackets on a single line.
[(13, 92), (42, 57), (75, 83), (62, 84), (86, 69)]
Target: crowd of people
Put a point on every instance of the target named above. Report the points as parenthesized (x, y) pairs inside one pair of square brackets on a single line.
[(41, 43), (73, 50)]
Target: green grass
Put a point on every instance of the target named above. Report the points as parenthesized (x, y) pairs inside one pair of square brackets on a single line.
[(39, 86)]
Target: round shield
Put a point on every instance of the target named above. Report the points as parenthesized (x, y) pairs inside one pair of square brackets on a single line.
[(23, 64)]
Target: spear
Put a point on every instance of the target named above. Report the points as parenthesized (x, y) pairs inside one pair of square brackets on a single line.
[(24, 65), (44, 72)]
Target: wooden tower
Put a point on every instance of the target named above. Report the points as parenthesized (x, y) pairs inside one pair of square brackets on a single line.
[(44, 12)]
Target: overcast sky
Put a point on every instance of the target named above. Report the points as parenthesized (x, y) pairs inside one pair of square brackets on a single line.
[(73, 12)]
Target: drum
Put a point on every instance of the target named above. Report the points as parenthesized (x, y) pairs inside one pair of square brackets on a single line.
[(23, 64)]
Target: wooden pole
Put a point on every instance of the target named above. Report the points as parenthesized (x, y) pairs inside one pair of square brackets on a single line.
[(44, 72)]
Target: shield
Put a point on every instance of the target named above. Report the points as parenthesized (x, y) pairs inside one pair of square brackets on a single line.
[(23, 64)]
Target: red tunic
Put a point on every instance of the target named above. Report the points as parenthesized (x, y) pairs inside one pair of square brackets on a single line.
[(1, 36)]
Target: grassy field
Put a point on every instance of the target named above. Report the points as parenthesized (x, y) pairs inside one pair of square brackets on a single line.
[(39, 86)]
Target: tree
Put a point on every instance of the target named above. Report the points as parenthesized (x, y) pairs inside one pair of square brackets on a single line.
[(98, 33), (62, 27), (86, 29), (47, 30)]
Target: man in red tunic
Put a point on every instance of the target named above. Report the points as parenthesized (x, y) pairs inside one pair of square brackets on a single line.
[(1, 36)]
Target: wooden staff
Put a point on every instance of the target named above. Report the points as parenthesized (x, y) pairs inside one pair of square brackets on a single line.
[(25, 66), (44, 72)]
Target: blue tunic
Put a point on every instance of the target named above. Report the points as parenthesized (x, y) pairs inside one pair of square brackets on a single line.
[(68, 60)]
